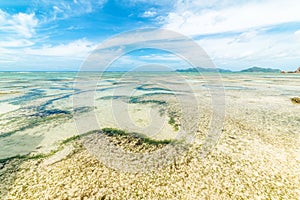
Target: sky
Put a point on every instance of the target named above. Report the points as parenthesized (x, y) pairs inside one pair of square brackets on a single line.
[(42, 35)]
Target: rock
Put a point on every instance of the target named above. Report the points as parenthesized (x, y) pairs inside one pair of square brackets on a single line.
[(291, 72), (295, 100)]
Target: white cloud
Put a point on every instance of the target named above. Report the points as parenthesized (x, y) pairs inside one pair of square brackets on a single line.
[(17, 32), (56, 10), (297, 35), (67, 56), (24, 24), (192, 21), (277, 50), (16, 43), (246, 23), (2, 17), (150, 62), (159, 58), (149, 13), (77, 49), (21, 24)]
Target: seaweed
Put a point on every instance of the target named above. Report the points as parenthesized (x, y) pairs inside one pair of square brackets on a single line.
[(142, 137), (144, 88), (112, 97), (113, 131), (82, 109), (77, 137), (33, 123), (33, 94), (46, 113), (5, 160), (172, 120), (157, 93), (137, 99)]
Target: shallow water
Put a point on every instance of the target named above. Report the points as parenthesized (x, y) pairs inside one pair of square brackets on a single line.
[(37, 110)]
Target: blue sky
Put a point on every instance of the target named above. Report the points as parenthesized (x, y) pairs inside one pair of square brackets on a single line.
[(59, 35)]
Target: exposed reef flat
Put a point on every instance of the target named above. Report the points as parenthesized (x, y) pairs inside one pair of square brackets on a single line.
[(241, 167)]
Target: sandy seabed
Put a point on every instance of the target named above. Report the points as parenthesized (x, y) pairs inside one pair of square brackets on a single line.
[(256, 157)]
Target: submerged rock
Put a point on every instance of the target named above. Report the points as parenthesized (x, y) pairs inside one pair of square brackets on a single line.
[(295, 100)]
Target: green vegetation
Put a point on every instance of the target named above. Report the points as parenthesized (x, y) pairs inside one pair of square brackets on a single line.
[(157, 93), (145, 88), (172, 120), (4, 160), (77, 137), (83, 109), (115, 132), (31, 157), (42, 156), (134, 99), (173, 123), (112, 97), (143, 138), (138, 100), (70, 139)]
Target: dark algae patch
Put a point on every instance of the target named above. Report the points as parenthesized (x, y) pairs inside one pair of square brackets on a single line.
[(113, 97), (295, 100), (46, 113), (172, 120), (147, 87), (38, 119), (129, 141), (117, 136), (134, 142), (138, 99), (33, 94), (144, 139)]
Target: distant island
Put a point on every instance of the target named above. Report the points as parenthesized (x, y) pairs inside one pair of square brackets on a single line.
[(251, 69), (260, 69), (200, 69)]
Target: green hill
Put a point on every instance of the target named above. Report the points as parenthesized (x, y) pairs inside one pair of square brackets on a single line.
[(259, 69), (200, 69)]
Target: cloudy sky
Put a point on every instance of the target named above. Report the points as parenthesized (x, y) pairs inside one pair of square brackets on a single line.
[(59, 35)]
